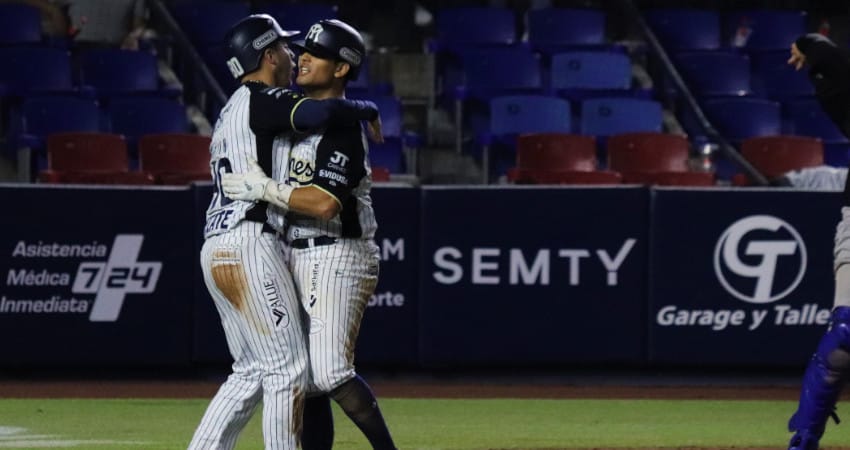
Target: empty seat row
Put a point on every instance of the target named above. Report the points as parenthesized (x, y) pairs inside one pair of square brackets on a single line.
[(102, 158), (604, 116), (774, 156), (738, 119), (727, 73), (105, 72), (481, 72), (131, 116), (548, 29), (649, 158), (643, 158), (698, 29)]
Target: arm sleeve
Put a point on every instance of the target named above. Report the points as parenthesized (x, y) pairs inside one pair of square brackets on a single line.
[(271, 109), (278, 110), (823, 56), (340, 159), (829, 71), (311, 114)]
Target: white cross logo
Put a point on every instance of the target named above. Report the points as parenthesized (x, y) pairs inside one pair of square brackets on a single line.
[(121, 274)]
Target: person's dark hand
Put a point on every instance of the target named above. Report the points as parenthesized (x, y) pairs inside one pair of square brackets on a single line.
[(797, 59)]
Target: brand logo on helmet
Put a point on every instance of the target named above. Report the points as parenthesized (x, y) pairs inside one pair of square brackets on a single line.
[(265, 39), (235, 68), (350, 56), (314, 32)]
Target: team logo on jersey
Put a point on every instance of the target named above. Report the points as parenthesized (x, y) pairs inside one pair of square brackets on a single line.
[(760, 259), (301, 170), (120, 275), (339, 159)]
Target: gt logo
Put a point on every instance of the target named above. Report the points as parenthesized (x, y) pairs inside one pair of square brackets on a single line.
[(339, 159), (314, 33), (121, 274), (769, 244)]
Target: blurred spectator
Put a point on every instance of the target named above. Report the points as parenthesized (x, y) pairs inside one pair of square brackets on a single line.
[(819, 178), (110, 23), (54, 21)]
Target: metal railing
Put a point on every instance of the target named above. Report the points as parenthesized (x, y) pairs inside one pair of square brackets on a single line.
[(201, 87), (630, 10)]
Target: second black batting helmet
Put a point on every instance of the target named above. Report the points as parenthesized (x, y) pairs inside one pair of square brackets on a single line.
[(247, 39), (336, 40)]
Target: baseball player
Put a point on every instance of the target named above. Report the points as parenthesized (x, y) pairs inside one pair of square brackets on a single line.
[(829, 368), (241, 257), (330, 227)]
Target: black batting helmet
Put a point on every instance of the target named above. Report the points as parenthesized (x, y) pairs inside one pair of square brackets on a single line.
[(336, 40), (248, 38)]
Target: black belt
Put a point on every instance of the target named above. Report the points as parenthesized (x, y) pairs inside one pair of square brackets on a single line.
[(268, 228), (312, 242)]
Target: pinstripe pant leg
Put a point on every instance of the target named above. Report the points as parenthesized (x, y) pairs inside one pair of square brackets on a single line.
[(235, 401), (335, 283), (282, 353)]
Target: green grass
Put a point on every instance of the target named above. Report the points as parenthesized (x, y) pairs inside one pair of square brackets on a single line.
[(428, 424)]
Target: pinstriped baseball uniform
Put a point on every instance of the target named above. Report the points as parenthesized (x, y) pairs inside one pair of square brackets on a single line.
[(247, 278), (335, 262)]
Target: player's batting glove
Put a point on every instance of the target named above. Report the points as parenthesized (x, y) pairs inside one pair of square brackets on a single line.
[(250, 186), (254, 185)]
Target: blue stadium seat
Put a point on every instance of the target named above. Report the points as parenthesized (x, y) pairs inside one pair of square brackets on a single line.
[(19, 24), (501, 71), (137, 116), (717, 73), (741, 118), (390, 153), (461, 29), (473, 26), (513, 115), (207, 22), (485, 76), (807, 118), (120, 72), (686, 29), (28, 70), (555, 29), (45, 115), (298, 16), (772, 77), (39, 117), (607, 116), (768, 29), (573, 73)]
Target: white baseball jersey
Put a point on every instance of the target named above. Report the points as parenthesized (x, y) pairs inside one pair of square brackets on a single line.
[(253, 291), (249, 127), (337, 162), (335, 262)]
